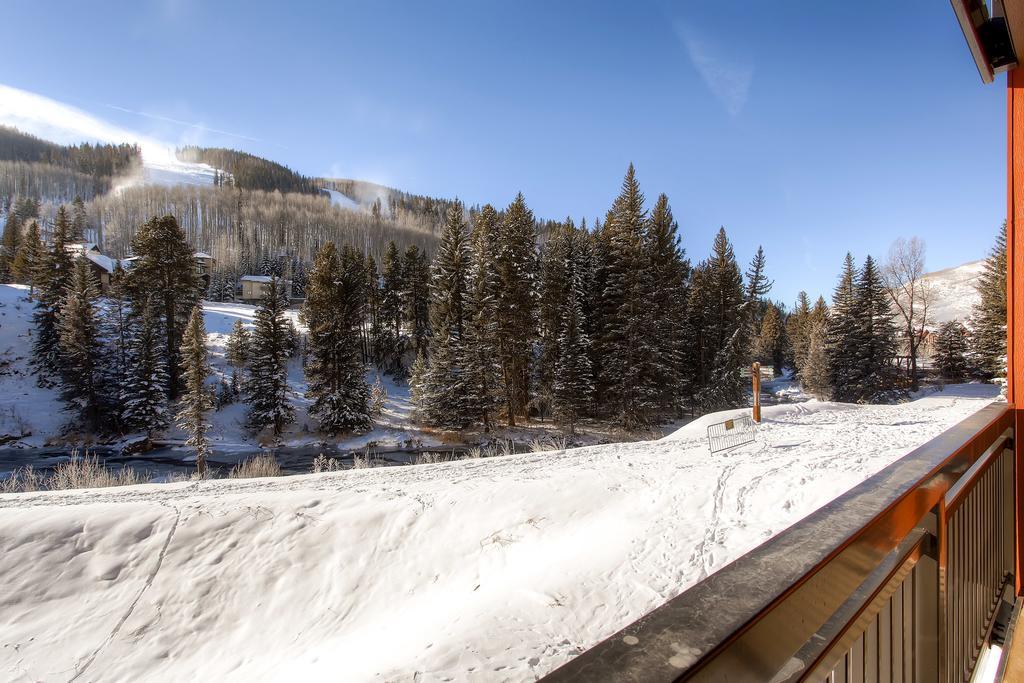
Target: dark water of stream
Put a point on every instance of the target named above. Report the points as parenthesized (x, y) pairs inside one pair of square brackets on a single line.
[(162, 463)]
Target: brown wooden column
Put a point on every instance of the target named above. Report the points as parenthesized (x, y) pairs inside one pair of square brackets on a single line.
[(1015, 289)]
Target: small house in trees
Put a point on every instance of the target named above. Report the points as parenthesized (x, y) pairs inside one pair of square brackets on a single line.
[(256, 287), (204, 266), (103, 266)]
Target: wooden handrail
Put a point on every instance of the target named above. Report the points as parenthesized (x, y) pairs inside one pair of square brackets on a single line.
[(955, 495), (759, 618)]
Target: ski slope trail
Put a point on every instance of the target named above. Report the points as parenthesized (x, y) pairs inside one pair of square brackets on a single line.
[(488, 569)]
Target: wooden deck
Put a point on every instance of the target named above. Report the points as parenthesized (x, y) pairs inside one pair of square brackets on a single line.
[(1012, 668)]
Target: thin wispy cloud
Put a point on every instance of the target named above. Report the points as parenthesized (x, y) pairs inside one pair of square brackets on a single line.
[(186, 124), (728, 79), (63, 123), (57, 121)]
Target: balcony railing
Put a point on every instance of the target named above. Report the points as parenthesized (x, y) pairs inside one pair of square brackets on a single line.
[(901, 578)]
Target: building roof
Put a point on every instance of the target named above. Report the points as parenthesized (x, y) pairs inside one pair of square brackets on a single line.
[(256, 278), (105, 262), (202, 255), (81, 247), (995, 39)]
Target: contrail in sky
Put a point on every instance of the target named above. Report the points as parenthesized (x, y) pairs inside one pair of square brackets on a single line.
[(179, 122)]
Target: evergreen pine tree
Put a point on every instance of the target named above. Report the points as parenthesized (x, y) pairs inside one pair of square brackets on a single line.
[(236, 350), (988, 319), (10, 242), (165, 272), (768, 342), (717, 303), (26, 208), (390, 333), (668, 276), (516, 264), (79, 220), (843, 335), (757, 287), (951, 350), (481, 358), (144, 394), (267, 388), (299, 280), (51, 276), (814, 374), (79, 346), (30, 253), (445, 385), (416, 296), (417, 384), (334, 371), (374, 321), (725, 387), (196, 399), (573, 388), (758, 284), (629, 372), (115, 334), (553, 289), (797, 331), (875, 378)]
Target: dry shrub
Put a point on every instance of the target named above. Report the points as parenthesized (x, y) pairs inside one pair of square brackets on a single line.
[(322, 463), (78, 473), (433, 457), (21, 480), (550, 443), (259, 466), (87, 473)]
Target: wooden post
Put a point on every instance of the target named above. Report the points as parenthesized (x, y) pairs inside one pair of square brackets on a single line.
[(1015, 292), (755, 377)]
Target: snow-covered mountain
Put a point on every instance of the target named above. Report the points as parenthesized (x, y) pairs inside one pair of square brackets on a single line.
[(954, 292), (64, 124), (343, 201), (160, 166)]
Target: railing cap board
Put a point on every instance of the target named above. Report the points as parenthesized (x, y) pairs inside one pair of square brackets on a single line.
[(842, 542)]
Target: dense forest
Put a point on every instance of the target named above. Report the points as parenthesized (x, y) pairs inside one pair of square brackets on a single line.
[(101, 162), (249, 172), (244, 226), (51, 185)]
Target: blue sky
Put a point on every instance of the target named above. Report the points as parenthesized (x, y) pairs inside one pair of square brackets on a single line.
[(810, 128)]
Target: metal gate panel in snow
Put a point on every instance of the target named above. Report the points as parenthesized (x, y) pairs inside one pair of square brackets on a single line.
[(731, 433)]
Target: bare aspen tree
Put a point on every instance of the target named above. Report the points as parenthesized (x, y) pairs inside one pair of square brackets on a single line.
[(911, 296)]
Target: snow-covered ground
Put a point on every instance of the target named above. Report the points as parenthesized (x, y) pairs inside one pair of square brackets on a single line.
[(954, 292), (341, 200), (393, 428), (162, 167), (28, 413), (493, 569)]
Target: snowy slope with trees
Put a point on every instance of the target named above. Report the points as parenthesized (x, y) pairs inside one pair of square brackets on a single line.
[(493, 569), (35, 416), (160, 166), (954, 292)]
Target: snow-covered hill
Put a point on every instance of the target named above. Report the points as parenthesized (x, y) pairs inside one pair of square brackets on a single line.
[(493, 569), (342, 201), (953, 292), (62, 123), (162, 167)]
